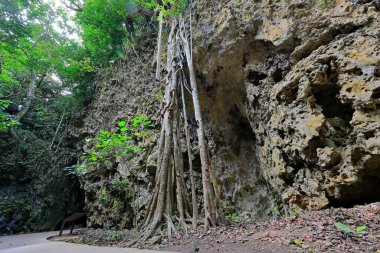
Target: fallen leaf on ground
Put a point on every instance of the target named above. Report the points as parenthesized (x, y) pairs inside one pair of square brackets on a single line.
[(296, 242)]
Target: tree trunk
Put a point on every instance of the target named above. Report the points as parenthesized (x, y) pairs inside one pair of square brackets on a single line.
[(209, 202), (190, 158), (159, 47), (163, 197), (178, 162), (30, 95)]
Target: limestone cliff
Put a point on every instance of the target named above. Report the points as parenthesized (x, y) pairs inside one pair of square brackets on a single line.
[(290, 93)]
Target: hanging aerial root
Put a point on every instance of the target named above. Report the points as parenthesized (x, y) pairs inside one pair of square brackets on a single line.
[(161, 198), (210, 206), (170, 192)]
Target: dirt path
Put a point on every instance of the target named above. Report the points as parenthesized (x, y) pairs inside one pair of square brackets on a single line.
[(351, 230), (334, 230)]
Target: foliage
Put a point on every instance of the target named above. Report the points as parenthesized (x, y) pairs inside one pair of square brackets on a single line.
[(277, 209), (348, 230), (36, 46), (104, 197), (167, 8), (109, 26), (83, 240), (122, 187), (226, 209), (233, 217), (14, 207), (92, 186), (39, 42), (14, 211), (111, 145), (103, 24), (361, 228), (115, 191), (79, 240), (115, 235), (6, 120), (344, 228), (238, 218), (117, 204), (29, 170)]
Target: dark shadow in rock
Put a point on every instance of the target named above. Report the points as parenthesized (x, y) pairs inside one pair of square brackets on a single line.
[(277, 75), (376, 93), (365, 190), (332, 107), (255, 77)]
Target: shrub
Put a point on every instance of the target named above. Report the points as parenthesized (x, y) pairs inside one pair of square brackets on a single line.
[(14, 215), (108, 145)]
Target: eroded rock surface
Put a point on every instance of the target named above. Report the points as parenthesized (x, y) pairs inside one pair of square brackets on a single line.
[(306, 79), (290, 93), (127, 91)]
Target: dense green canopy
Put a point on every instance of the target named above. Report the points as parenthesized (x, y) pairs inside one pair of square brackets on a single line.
[(34, 46), (41, 50), (54, 49)]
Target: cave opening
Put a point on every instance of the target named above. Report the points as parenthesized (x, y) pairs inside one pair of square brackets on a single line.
[(240, 129), (365, 190)]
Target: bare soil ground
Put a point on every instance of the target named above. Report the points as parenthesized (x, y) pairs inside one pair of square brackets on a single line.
[(316, 231)]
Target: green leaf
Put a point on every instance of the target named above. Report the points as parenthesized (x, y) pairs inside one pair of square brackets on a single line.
[(123, 129), (361, 228), (344, 228), (102, 132), (122, 123), (296, 242), (148, 122)]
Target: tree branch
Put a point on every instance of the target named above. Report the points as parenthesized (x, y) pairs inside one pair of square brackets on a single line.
[(42, 35), (72, 6), (30, 96), (56, 131)]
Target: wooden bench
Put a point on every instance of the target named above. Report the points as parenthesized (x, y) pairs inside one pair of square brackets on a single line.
[(72, 219)]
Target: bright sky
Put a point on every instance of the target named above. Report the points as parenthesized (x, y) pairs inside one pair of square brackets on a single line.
[(72, 35)]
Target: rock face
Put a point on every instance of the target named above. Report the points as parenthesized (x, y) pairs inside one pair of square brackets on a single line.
[(128, 91), (305, 78), (290, 93)]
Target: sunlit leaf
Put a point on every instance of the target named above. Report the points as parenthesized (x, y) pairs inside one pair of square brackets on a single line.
[(122, 123), (344, 228), (361, 228)]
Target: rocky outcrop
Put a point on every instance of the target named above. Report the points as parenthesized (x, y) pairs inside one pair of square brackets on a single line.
[(290, 93), (127, 91), (306, 79)]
